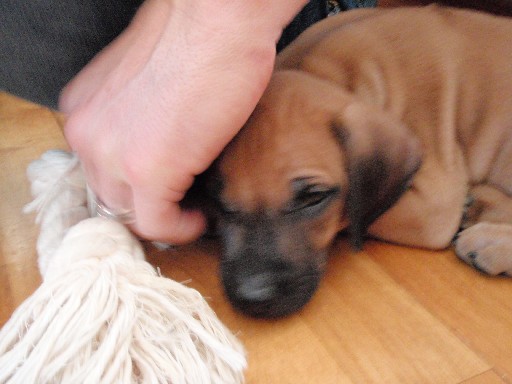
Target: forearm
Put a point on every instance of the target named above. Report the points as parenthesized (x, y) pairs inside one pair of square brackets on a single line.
[(257, 17)]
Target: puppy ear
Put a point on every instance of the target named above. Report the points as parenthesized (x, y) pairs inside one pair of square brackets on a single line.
[(382, 157)]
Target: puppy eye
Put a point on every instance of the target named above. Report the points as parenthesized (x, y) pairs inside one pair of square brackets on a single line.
[(227, 209), (308, 199), (311, 198)]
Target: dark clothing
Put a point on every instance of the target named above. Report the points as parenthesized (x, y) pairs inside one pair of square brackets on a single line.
[(45, 43)]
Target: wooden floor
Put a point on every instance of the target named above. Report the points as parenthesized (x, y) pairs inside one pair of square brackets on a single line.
[(385, 315)]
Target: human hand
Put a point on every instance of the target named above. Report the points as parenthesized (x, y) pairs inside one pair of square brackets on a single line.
[(158, 105)]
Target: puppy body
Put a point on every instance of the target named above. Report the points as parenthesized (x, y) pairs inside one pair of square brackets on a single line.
[(355, 105), (446, 74)]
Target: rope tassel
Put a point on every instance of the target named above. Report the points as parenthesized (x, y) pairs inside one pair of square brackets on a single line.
[(103, 314)]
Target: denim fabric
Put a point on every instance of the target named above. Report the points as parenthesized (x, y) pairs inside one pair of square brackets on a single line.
[(314, 11)]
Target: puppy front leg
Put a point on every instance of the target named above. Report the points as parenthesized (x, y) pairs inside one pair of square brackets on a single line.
[(488, 203)]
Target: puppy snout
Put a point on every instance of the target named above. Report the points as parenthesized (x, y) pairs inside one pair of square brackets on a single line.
[(259, 287), (274, 291)]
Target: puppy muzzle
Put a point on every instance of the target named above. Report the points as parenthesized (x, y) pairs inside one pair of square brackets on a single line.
[(272, 290)]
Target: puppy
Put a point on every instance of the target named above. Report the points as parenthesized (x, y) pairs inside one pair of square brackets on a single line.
[(382, 121)]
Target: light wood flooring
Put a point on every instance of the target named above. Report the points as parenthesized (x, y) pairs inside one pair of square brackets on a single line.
[(385, 315)]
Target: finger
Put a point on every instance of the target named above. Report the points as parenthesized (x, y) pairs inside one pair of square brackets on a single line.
[(108, 190), (159, 219)]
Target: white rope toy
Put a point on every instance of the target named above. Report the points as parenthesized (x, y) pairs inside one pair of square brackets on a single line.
[(103, 314)]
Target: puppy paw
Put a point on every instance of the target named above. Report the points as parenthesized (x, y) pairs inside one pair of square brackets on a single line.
[(487, 247)]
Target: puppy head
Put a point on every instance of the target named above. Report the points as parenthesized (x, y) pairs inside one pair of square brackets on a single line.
[(310, 162)]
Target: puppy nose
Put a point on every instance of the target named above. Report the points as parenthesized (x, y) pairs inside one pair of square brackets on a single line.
[(258, 287), (276, 291)]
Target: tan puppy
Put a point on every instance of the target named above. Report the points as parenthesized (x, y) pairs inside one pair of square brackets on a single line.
[(357, 105)]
